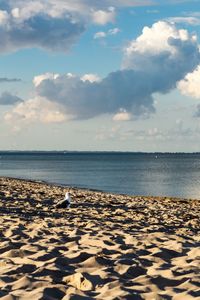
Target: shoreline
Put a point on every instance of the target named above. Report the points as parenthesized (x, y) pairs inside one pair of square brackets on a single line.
[(46, 182), (105, 246)]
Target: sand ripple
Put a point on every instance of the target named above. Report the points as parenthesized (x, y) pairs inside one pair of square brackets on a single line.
[(104, 247)]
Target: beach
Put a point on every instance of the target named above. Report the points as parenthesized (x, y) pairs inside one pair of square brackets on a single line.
[(104, 246)]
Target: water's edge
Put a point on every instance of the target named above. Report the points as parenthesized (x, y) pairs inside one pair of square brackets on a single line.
[(49, 183), (161, 175)]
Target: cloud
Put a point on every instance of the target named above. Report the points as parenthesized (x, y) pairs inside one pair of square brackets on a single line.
[(53, 25), (185, 20), (102, 17), (176, 132), (4, 79), (91, 78), (100, 35), (50, 25), (122, 115), (38, 79), (104, 34), (113, 31), (162, 41), (85, 99), (189, 86), (36, 110), (42, 31), (161, 53), (153, 63), (9, 99)]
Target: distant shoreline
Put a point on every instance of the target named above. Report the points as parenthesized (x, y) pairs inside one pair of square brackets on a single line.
[(90, 152)]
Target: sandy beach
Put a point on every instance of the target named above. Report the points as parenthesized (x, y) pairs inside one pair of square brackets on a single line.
[(104, 246)]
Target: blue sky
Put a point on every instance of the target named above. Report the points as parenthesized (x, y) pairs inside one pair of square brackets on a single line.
[(84, 75)]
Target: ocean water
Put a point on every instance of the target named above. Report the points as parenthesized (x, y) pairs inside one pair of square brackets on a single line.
[(175, 175)]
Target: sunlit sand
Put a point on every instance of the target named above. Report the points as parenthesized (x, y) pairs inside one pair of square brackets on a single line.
[(104, 246)]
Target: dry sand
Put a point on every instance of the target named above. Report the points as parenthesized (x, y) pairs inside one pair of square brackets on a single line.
[(103, 247)]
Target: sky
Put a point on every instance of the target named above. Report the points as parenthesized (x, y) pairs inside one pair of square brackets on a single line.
[(109, 75)]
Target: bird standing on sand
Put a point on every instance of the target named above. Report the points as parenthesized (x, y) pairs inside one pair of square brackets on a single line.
[(65, 203)]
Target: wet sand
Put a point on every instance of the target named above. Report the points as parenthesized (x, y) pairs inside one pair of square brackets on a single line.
[(104, 246)]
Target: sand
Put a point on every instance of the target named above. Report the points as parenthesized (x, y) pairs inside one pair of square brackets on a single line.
[(104, 246)]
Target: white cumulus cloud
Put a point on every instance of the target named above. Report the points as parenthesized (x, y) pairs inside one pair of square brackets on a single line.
[(161, 38), (53, 25), (190, 85), (153, 63), (36, 110), (38, 79)]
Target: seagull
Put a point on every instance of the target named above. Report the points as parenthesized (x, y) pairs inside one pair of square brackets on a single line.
[(65, 203), (67, 198)]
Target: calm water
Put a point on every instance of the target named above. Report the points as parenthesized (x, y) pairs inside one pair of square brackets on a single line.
[(126, 173)]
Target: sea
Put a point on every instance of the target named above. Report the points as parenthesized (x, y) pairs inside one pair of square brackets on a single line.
[(147, 174)]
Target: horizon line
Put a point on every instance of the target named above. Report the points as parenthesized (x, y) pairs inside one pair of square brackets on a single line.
[(98, 151)]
